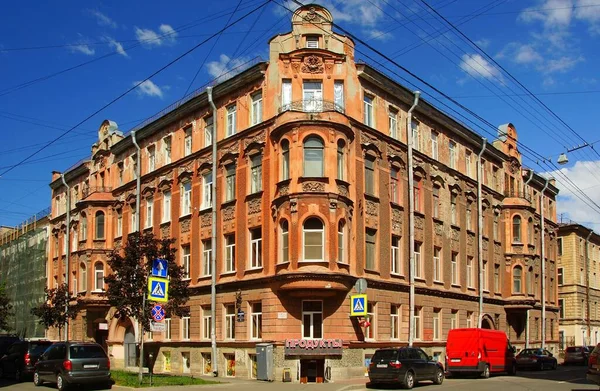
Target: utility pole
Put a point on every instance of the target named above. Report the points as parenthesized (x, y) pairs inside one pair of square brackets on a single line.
[(138, 185), (67, 249)]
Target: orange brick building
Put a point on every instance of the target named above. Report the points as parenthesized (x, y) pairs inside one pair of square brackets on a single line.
[(312, 194)]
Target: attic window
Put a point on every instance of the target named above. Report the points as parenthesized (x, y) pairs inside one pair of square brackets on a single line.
[(312, 42)]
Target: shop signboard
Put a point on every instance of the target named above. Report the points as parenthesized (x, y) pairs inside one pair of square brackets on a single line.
[(313, 347)]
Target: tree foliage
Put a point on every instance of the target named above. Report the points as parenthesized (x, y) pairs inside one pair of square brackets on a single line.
[(5, 309), (58, 308), (128, 282)]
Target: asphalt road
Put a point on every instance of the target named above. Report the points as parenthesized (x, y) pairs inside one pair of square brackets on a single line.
[(570, 378)]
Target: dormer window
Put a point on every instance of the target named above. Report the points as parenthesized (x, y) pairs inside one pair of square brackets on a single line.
[(312, 42)]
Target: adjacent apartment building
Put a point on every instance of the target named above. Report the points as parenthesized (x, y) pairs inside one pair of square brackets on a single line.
[(578, 285), (312, 194)]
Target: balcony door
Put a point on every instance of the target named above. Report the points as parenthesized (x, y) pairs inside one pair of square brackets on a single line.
[(312, 96)]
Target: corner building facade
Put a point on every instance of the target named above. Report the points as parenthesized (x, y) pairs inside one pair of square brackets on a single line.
[(312, 194)]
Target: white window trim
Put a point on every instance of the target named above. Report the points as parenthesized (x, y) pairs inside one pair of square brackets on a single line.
[(207, 190), (304, 232), (396, 257), (253, 334), (229, 254), (206, 258), (231, 125), (255, 255), (312, 333), (166, 209), (437, 265), (186, 261), (185, 321)]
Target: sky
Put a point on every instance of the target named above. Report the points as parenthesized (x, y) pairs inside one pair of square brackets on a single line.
[(533, 63)]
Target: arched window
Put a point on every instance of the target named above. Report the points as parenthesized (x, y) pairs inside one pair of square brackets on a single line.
[(341, 242), (99, 277), (313, 239), (284, 241), (313, 157), (516, 226), (517, 282), (530, 234), (82, 278), (285, 160), (341, 159), (83, 226), (99, 225)]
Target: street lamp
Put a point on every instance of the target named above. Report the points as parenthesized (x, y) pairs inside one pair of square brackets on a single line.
[(562, 159)]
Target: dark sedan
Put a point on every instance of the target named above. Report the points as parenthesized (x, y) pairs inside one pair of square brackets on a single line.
[(536, 359), (404, 366)]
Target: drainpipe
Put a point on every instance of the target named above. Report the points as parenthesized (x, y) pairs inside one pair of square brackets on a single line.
[(587, 286), (411, 221), (138, 185), (543, 255), (67, 250), (480, 229), (527, 310), (213, 240)]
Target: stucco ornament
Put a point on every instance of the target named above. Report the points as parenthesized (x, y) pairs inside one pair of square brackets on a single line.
[(312, 64)]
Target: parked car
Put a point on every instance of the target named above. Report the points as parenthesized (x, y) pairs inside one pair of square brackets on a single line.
[(593, 371), (6, 341), (67, 363), (536, 359), (404, 366), (19, 361), (576, 355), (480, 351)]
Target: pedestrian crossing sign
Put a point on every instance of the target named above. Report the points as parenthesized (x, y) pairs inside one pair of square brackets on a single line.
[(158, 289), (358, 305)]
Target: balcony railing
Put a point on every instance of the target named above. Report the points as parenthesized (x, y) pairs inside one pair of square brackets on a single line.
[(94, 189), (517, 194), (312, 106)]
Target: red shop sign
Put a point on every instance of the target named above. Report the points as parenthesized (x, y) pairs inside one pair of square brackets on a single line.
[(295, 347)]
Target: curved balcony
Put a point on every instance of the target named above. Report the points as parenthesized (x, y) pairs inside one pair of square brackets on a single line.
[(88, 191), (517, 197), (312, 106)]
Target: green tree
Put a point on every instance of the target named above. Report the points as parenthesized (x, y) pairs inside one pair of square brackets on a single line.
[(5, 309), (128, 282), (58, 308)]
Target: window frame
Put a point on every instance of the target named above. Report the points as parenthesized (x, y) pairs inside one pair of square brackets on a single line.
[(230, 120), (317, 168), (166, 207), (256, 179), (207, 257), (207, 181), (229, 241), (149, 213), (186, 261), (368, 114), (98, 271), (256, 321), (306, 231), (311, 314), (255, 248), (256, 115), (100, 225)]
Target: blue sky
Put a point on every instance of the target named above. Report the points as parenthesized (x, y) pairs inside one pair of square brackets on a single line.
[(550, 46)]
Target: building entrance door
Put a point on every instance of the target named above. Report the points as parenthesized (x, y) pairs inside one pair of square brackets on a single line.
[(130, 348), (312, 370)]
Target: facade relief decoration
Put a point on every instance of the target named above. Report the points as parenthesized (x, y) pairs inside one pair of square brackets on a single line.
[(343, 189), (185, 224), (470, 239), (313, 186), (259, 139), (229, 213), (206, 220), (312, 64), (455, 234), (165, 230), (371, 208), (367, 140), (254, 206), (439, 228), (419, 222), (283, 189)]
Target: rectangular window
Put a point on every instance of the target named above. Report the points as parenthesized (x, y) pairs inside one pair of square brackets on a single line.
[(167, 329), (187, 142), (369, 175), (134, 226), (452, 154), (370, 239), (418, 323), (469, 216), (230, 321), (560, 276), (257, 108), (206, 257), (416, 135), (453, 209), (454, 268), (436, 202), (437, 324), (312, 42), (256, 174), (312, 96), (185, 261), (167, 149), (454, 319), (149, 214), (393, 123), (395, 311), (368, 110), (207, 181), (256, 321), (231, 117), (484, 272), (120, 224), (396, 260), (255, 248), (208, 131), (434, 145), (437, 264), (229, 253), (495, 227), (312, 319), (229, 182), (338, 95), (166, 207), (341, 242), (469, 319), (185, 328), (206, 322), (370, 332), (561, 308), (470, 272), (418, 264), (186, 198), (395, 185), (468, 164), (417, 194), (286, 94), (559, 243), (285, 243), (120, 173), (151, 158)]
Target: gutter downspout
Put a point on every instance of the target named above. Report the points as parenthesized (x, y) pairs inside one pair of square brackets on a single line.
[(527, 311), (480, 229), (411, 221), (138, 185), (67, 249), (543, 256), (587, 287), (213, 239)]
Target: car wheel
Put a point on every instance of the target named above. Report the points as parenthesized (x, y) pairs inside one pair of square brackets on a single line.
[(61, 384), (513, 370), (409, 380), (18, 375), (554, 365), (486, 372), (36, 379), (439, 377)]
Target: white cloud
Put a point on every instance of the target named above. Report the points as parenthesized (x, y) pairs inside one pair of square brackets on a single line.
[(148, 88), (552, 13), (225, 67), (483, 43), (149, 38), (526, 54), (562, 64), (103, 20), (379, 35), (568, 203), (352, 11), (479, 67), (82, 48), (117, 46), (548, 81)]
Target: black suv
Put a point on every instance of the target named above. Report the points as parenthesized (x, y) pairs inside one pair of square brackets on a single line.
[(19, 361), (405, 366), (6, 341), (66, 363)]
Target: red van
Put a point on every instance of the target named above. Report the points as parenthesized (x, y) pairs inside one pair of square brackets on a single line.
[(479, 351)]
